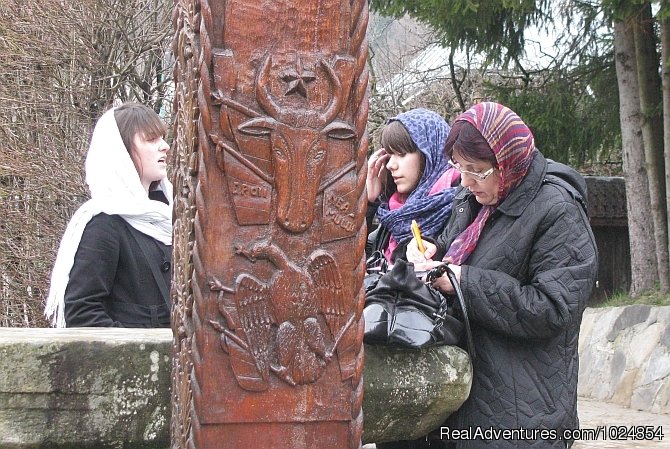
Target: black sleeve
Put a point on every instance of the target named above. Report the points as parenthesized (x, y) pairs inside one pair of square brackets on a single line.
[(441, 250), (92, 275), (370, 243), (370, 215)]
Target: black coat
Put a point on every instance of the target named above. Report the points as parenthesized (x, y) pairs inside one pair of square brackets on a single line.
[(378, 235), (526, 285), (111, 281)]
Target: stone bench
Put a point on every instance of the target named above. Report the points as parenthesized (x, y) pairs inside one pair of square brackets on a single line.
[(110, 388)]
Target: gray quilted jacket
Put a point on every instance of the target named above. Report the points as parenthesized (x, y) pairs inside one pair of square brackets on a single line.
[(526, 284)]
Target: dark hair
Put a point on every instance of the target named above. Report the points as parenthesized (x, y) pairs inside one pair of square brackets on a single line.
[(469, 142), (133, 118), (395, 139)]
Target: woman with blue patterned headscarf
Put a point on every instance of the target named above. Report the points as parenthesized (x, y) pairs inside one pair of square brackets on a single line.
[(409, 178)]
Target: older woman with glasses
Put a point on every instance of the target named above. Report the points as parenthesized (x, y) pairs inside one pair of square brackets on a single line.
[(520, 243)]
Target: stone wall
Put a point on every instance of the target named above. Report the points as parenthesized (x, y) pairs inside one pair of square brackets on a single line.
[(84, 388), (110, 388), (625, 356)]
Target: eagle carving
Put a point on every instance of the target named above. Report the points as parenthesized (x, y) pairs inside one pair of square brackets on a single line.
[(290, 325)]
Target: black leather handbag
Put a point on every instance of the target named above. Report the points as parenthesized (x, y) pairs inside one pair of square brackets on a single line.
[(401, 309)]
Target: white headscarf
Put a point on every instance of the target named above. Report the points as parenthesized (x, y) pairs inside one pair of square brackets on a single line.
[(116, 189)]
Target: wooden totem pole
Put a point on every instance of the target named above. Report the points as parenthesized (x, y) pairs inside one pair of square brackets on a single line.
[(270, 156)]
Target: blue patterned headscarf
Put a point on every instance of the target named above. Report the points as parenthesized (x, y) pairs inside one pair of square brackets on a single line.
[(429, 131)]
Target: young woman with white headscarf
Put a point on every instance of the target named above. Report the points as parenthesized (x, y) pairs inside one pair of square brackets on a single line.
[(113, 263)]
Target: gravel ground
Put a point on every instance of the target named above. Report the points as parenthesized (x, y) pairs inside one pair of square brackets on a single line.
[(613, 422)]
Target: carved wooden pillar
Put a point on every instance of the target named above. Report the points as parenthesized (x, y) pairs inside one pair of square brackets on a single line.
[(270, 132)]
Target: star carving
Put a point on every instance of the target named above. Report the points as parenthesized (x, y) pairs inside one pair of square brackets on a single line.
[(297, 78)]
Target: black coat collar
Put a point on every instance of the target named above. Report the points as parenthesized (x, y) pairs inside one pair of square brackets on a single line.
[(519, 198)]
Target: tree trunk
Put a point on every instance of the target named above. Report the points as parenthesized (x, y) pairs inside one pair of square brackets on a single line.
[(644, 267), (665, 58), (652, 135)]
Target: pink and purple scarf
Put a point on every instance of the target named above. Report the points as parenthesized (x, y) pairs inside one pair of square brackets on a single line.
[(514, 148)]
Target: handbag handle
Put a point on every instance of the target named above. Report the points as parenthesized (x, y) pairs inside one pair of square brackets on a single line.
[(436, 273), (376, 262)]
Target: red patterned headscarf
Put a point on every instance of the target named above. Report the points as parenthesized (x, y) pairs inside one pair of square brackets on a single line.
[(513, 145)]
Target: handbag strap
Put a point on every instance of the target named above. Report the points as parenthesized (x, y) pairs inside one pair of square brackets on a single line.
[(459, 294), (436, 273), (376, 262)]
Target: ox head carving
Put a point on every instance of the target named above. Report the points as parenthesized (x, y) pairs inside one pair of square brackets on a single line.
[(299, 142)]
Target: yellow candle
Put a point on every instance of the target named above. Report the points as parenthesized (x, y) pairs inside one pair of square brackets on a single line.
[(417, 236)]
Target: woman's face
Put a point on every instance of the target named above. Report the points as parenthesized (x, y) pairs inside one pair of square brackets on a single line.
[(150, 158), (485, 191), (406, 170)]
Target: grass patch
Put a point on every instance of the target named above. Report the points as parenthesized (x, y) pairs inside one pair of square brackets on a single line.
[(652, 298)]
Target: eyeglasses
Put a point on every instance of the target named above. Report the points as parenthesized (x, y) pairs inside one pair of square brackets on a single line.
[(478, 177)]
